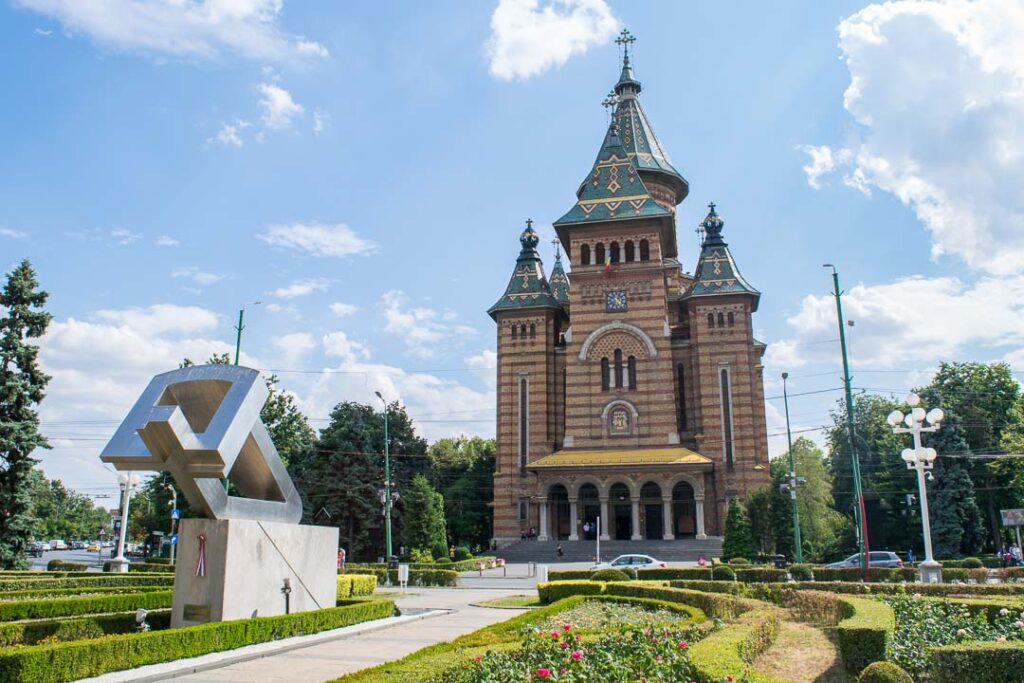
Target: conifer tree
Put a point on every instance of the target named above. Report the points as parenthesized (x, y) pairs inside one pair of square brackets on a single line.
[(21, 389), (737, 541), (424, 518)]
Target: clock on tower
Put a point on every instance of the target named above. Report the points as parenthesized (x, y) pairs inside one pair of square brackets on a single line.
[(616, 301)]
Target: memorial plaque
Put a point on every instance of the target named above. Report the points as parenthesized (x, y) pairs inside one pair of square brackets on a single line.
[(197, 613)]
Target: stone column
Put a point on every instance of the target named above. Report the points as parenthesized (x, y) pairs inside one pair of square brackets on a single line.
[(667, 521), (636, 251), (573, 522), (698, 506), (542, 532), (605, 521), (636, 519)]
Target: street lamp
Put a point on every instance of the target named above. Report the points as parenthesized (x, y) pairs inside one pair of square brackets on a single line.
[(387, 484), (238, 338), (174, 518), (920, 458), (798, 545), (127, 483)]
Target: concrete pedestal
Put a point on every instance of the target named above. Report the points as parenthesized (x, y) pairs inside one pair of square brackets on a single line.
[(247, 563)]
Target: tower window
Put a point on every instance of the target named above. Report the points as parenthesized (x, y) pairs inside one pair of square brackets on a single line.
[(584, 254), (515, 331), (645, 250), (732, 319), (631, 371), (613, 251), (533, 330), (721, 320), (522, 330), (618, 368), (726, 390), (680, 382), (711, 320), (605, 374), (524, 432), (630, 253), (599, 253)]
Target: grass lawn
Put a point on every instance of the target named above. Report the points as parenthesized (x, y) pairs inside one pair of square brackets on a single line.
[(512, 601), (803, 654)]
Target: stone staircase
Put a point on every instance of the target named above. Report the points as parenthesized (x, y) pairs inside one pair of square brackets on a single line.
[(680, 550)]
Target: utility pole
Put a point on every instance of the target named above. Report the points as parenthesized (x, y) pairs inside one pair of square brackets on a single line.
[(174, 519), (241, 326), (858, 494), (387, 483), (798, 544)]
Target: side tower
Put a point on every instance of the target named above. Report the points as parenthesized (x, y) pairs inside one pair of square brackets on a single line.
[(530, 319)]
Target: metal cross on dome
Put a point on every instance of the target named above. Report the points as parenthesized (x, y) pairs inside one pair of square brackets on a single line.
[(625, 39)]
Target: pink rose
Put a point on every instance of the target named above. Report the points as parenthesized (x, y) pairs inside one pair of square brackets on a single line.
[(563, 644), (577, 654), (554, 634), (543, 672), (683, 644), (566, 627)]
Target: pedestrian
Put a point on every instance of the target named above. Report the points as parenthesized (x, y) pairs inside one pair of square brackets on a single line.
[(559, 551), (910, 556), (1017, 555), (1004, 557)]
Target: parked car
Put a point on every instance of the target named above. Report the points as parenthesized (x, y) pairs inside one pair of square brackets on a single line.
[(77, 545), (632, 562), (876, 558), (36, 549), (93, 547), (58, 544)]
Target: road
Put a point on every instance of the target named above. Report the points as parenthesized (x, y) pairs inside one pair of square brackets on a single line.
[(94, 560)]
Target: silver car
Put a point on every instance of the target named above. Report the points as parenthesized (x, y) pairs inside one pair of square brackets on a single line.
[(876, 558), (632, 562)]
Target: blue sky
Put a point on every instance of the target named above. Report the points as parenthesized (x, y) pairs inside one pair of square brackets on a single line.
[(365, 169)]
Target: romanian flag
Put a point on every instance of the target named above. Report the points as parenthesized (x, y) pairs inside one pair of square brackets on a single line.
[(608, 264)]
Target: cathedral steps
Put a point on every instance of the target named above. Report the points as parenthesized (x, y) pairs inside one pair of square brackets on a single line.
[(682, 550)]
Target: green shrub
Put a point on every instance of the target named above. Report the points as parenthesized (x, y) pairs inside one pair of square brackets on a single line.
[(56, 565), (972, 563), (83, 581), (80, 628), (66, 607), (977, 662), (801, 572), (681, 574), (815, 607), (150, 567), (728, 653), (553, 591), (928, 589), (421, 556), (443, 561), (80, 659), (730, 587), (609, 575), (356, 585), (724, 573), (68, 592), (739, 561), (463, 553), (865, 633), (714, 605), (158, 560), (569, 575), (760, 575), (884, 672), (875, 574), (417, 577)]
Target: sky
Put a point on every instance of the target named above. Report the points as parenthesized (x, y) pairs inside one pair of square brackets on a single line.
[(364, 170)]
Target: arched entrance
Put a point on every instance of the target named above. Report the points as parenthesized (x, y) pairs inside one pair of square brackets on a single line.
[(684, 513), (561, 525), (621, 525), (590, 504), (651, 504)]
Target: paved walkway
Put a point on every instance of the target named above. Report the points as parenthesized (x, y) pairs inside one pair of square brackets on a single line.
[(332, 659)]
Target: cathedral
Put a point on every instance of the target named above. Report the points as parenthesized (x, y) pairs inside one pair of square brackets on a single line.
[(633, 391)]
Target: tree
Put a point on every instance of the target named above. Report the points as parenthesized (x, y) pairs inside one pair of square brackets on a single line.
[(957, 529), (821, 526), (60, 512), (424, 526), (22, 386), (462, 469), (759, 509), (737, 541)]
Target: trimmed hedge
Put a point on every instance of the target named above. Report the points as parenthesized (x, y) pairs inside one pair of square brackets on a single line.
[(82, 628), (457, 566), (87, 581), (553, 591), (712, 604), (977, 662), (865, 633), (884, 672), (733, 649), (448, 578), (150, 567), (875, 574), (760, 575), (801, 572), (609, 575), (68, 592), (66, 607), (356, 585), (721, 572), (681, 574), (730, 587), (79, 659), (56, 565)]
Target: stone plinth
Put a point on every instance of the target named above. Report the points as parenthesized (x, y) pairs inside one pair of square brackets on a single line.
[(247, 563)]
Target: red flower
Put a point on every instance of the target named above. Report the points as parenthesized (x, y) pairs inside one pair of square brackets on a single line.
[(578, 637), (727, 679), (577, 654), (566, 627), (477, 658), (543, 673), (563, 644), (554, 634), (683, 644)]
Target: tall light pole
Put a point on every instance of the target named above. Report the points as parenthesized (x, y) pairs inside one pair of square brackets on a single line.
[(241, 326), (120, 563), (798, 549), (920, 458), (858, 494), (387, 483), (174, 518)]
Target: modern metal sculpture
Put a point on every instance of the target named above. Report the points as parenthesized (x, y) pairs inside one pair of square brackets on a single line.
[(201, 424)]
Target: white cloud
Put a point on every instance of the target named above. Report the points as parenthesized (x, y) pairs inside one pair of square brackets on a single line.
[(321, 120), (938, 91), (912, 323), (278, 106), (161, 318), (42, 32), (191, 29), (125, 237), (167, 241), (228, 135), (318, 239), (528, 37), (341, 310), (338, 344), (13, 234), (197, 276), (485, 367), (300, 288), (293, 346), (421, 328)]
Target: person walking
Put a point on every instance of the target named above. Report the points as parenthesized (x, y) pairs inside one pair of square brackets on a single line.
[(910, 556), (559, 551), (1016, 554)]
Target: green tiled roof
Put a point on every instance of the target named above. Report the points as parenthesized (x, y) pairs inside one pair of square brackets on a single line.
[(528, 287), (716, 271), (613, 190), (559, 282), (638, 138)]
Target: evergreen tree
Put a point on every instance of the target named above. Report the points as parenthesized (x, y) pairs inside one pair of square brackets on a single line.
[(462, 469), (21, 389), (737, 541), (759, 512), (423, 515), (957, 528)]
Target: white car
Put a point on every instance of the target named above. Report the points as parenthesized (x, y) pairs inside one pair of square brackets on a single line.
[(632, 562), (58, 544)]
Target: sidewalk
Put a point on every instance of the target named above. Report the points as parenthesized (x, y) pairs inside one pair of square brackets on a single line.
[(329, 660)]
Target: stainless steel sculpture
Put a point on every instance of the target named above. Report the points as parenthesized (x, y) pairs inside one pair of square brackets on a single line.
[(201, 424)]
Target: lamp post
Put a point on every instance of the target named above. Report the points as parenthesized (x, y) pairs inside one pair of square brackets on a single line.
[(387, 483), (858, 503), (241, 326), (127, 483), (798, 544), (174, 519), (921, 459)]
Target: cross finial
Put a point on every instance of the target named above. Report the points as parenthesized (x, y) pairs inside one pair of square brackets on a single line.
[(529, 223), (610, 101), (625, 39), (557, 244), (711, 205)]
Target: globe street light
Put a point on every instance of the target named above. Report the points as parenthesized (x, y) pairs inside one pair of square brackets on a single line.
[(920, 458), (127, 483)]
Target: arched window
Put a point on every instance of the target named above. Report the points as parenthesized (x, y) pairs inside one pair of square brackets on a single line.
[(726, 395), (631, 371), (721, 320), (515, 331), (645, 250), (599, 254), (618, 368), (711, 320), (630, 254), (613, 251), (522, 330), (605, 375), (584, 254), (732, 319), (533, 330)]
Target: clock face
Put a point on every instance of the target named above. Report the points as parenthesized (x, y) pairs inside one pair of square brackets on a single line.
[(616, 301)]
